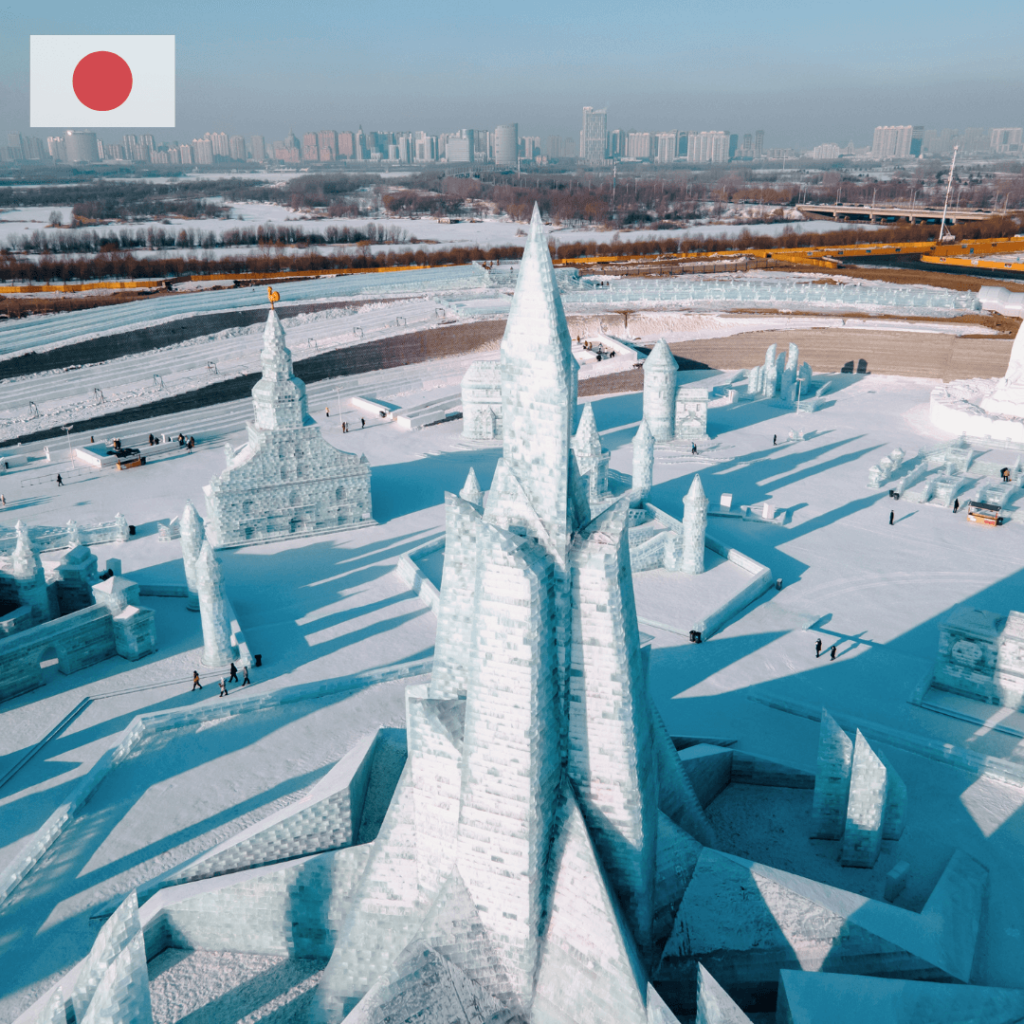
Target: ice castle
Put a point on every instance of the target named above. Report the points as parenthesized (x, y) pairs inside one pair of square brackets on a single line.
[(287, 479), (544, 856)]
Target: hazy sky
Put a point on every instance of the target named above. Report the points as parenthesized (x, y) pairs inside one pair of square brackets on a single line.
[(804, 72)]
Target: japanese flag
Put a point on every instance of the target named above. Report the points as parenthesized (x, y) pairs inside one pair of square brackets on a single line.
[(101, 81)]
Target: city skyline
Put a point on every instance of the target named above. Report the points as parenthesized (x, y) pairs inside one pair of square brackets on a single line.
[(406, 66)]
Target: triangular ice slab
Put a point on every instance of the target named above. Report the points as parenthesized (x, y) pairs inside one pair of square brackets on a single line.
[(385, 911), (714, 1004), (675, 791), (657, 1011), (678, 853), (327, 818), (806, 998), (115, 935), (745, 921), (424, 987), (122, 996), (589, 966), (453, 928)]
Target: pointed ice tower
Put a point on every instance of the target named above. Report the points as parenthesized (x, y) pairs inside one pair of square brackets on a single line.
[(538, 396), (695, 521), (660, 378), (28, 579), (279, 397), (591, 458), (217, 647)]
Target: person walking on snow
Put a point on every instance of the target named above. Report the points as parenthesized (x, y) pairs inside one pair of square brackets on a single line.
[(362, 422), (892, 517), (817, 648), (245, 676), (196, 685), (60, 482), (223, 687), (832, 653), (233, 678), (775, 439), (956, 505)]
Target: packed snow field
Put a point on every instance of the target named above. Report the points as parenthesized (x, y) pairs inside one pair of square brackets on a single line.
[(878, 592)]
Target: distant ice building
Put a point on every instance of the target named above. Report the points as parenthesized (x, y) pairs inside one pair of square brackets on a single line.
[(672, 413), (287, 480), (481, 401)]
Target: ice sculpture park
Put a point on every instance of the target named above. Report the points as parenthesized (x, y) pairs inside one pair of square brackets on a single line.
[(696, 698)]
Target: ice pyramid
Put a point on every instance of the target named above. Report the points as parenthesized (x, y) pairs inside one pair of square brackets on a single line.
[(714, 1004)]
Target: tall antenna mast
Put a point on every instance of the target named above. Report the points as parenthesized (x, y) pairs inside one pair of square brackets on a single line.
[(943, 236)]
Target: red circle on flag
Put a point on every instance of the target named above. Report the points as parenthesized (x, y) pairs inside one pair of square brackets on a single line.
[(102, 80)]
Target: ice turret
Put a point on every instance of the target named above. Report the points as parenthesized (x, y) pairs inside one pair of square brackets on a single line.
[(660, 373), (591, 458), (695, 521), (643, 460)]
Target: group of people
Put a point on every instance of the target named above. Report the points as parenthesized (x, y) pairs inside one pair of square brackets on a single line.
[(232, 678), (186, 442), (344, 424), (831, 650)]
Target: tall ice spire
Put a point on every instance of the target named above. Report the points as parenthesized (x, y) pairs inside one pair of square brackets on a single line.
[(279, 397), (538, 393)]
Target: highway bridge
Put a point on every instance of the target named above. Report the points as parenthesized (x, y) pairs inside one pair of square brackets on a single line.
[(882, 213)]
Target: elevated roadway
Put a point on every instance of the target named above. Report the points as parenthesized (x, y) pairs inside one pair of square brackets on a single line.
[(879, 213)]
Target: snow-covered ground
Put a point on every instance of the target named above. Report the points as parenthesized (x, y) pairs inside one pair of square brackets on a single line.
[(330, 606)]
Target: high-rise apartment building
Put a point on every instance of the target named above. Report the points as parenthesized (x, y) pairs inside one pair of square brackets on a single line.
[(758, 144), (185, 152), (219, 144), (594, 136), (81, 147), (236, 147), (529, 147), (897, 142), (346, 145), (202, 151), (665, 150), (638, 146), (1006, 141), (310, 147), (425, 148), (554, 147), (360, 146), (458, 148), (506, 144), (258, 145), (56, 148), (483, 146), (826, 151), (708, 147), (327, 143)]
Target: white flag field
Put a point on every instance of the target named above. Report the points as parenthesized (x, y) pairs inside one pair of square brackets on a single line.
[(101, 81)]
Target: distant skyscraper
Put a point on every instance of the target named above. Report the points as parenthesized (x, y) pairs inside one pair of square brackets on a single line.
[(219, 144), (236, 147), (310, 147), (758, 144), (202, 150), (897, 142), (81, 147), (57, 149), (425, 148), (708, 147), (185, 152), (1006, 140), (665, 152), (483, 146), (259, 148), (346, 145), (638, 146), (506, 144), (360, 148), (327, 142), (594, 137), (617, 144)]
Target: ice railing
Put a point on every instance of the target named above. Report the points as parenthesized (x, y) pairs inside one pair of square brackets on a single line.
[(52, 538), (771, 293)]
